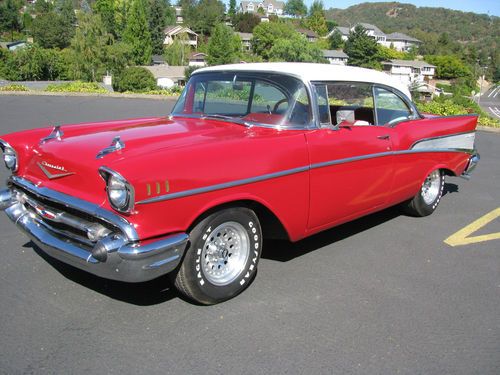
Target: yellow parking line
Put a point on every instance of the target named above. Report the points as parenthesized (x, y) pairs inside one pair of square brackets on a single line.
[(462, 237)]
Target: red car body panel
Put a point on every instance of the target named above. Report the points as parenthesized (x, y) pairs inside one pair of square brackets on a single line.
[(162, 157)]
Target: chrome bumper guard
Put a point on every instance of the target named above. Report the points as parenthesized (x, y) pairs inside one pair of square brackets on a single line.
[(118, 255), (471, 165)]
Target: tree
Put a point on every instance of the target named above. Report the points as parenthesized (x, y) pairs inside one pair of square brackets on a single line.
[(88, 47), (177, 54), (52, 30), (296, 49), (106, 9), (137, 33), (224, 46), (232, 8), (295, 8), (362, 49), (317, 20), (335, 40), (134, 78), (9, 17), (245, 22), (157, 23), (448, 66), (207, 14), (266, 34)]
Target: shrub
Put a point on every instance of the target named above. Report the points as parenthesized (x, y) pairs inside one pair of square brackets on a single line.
[(77, 86), (448, 108), (14, 87), (134, 79)]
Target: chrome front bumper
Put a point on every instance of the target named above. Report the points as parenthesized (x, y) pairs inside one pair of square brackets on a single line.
[(118, 256), (471, 165)]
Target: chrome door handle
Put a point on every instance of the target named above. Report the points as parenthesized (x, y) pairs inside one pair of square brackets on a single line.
[(385, 136)]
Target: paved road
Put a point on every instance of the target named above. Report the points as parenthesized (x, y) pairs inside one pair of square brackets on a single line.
[(490, 101), (381, 295)]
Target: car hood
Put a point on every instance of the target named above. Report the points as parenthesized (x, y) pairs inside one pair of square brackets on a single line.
[(70, 164)]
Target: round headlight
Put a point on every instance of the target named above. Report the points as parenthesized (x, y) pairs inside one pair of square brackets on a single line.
[(9, 156), (118, 193)]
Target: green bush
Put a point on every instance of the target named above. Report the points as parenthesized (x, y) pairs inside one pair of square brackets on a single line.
[(174, 91), (77, 86), (447, 107), (14, 87), (134, 79)]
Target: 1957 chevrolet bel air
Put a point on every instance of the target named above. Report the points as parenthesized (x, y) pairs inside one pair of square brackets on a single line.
[(249, 151)]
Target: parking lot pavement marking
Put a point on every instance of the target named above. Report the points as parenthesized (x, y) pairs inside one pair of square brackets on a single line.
[(495, 111), (463, 236)]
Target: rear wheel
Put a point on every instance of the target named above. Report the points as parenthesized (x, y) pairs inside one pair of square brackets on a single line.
[(222, 258), (429, 196)]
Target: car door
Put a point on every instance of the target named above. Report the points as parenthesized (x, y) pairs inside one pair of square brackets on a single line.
[(351, 157)]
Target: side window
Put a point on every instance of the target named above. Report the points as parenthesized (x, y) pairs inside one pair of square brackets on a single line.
[(269, 99), (323, 106), (390, 107), (351, 102)]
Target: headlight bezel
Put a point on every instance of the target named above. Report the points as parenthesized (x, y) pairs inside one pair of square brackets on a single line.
[(112, 177), (8, 150)]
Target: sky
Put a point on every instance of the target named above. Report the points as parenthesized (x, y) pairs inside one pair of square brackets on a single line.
[(491, 7)]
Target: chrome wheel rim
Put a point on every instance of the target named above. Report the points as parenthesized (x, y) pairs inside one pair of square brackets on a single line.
[(225, 253), (431, 187)]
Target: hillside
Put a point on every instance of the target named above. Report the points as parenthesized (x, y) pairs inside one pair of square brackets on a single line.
[(392, 16)]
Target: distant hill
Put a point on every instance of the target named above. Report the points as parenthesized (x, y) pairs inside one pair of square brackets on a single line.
[(392, 16)]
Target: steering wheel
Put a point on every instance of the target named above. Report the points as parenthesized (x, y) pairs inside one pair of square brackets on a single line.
[(278, 103)]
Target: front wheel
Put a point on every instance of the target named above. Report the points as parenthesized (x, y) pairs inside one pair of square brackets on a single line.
[(222, 258), (427, 199)]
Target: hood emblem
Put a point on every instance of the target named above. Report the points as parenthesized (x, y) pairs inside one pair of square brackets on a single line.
[(116, 145), (44, 166), (56, 133)]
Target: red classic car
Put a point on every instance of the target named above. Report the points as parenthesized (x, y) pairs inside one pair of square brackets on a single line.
[(249, 151)]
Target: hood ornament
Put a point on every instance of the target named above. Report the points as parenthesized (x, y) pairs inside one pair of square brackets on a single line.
[(56, 134), (44, 166), (116, 145)]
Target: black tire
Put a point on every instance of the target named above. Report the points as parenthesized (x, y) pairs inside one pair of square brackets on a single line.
[(425, 203), (221, 260)]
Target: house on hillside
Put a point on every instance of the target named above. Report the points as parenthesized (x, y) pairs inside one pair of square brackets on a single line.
[(197, 59), (12, 46), (246, 40), (168, 76), (310, 35), (398, 41), (268, 7), (335, 57), (184, 34), (410, 72)]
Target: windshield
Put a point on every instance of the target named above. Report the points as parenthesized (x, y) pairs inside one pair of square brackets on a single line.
[(247, 98)]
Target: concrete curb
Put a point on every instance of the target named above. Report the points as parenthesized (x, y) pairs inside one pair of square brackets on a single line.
[(88, 94), (488, 129)]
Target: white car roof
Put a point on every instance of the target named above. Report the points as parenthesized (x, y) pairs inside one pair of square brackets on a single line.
[(316, 72)]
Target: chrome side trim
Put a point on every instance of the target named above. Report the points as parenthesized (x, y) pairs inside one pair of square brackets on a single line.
[(463, 141), (226, 185), (78, 204), (56, 134), (116, 145)]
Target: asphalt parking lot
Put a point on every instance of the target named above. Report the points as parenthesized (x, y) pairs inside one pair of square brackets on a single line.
[(381, 295)]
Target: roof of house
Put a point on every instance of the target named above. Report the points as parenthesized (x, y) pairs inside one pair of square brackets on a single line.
[(265, 3), (166, 71), (343, 30), (315, 72), (177, 29), (401, 36), (308, 33), (7, 45), (411, 63), (369, 26), (197, 55), (334, 53), (245, 36)]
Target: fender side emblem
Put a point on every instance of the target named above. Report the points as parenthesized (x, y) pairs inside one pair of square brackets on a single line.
[(51, 176)]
